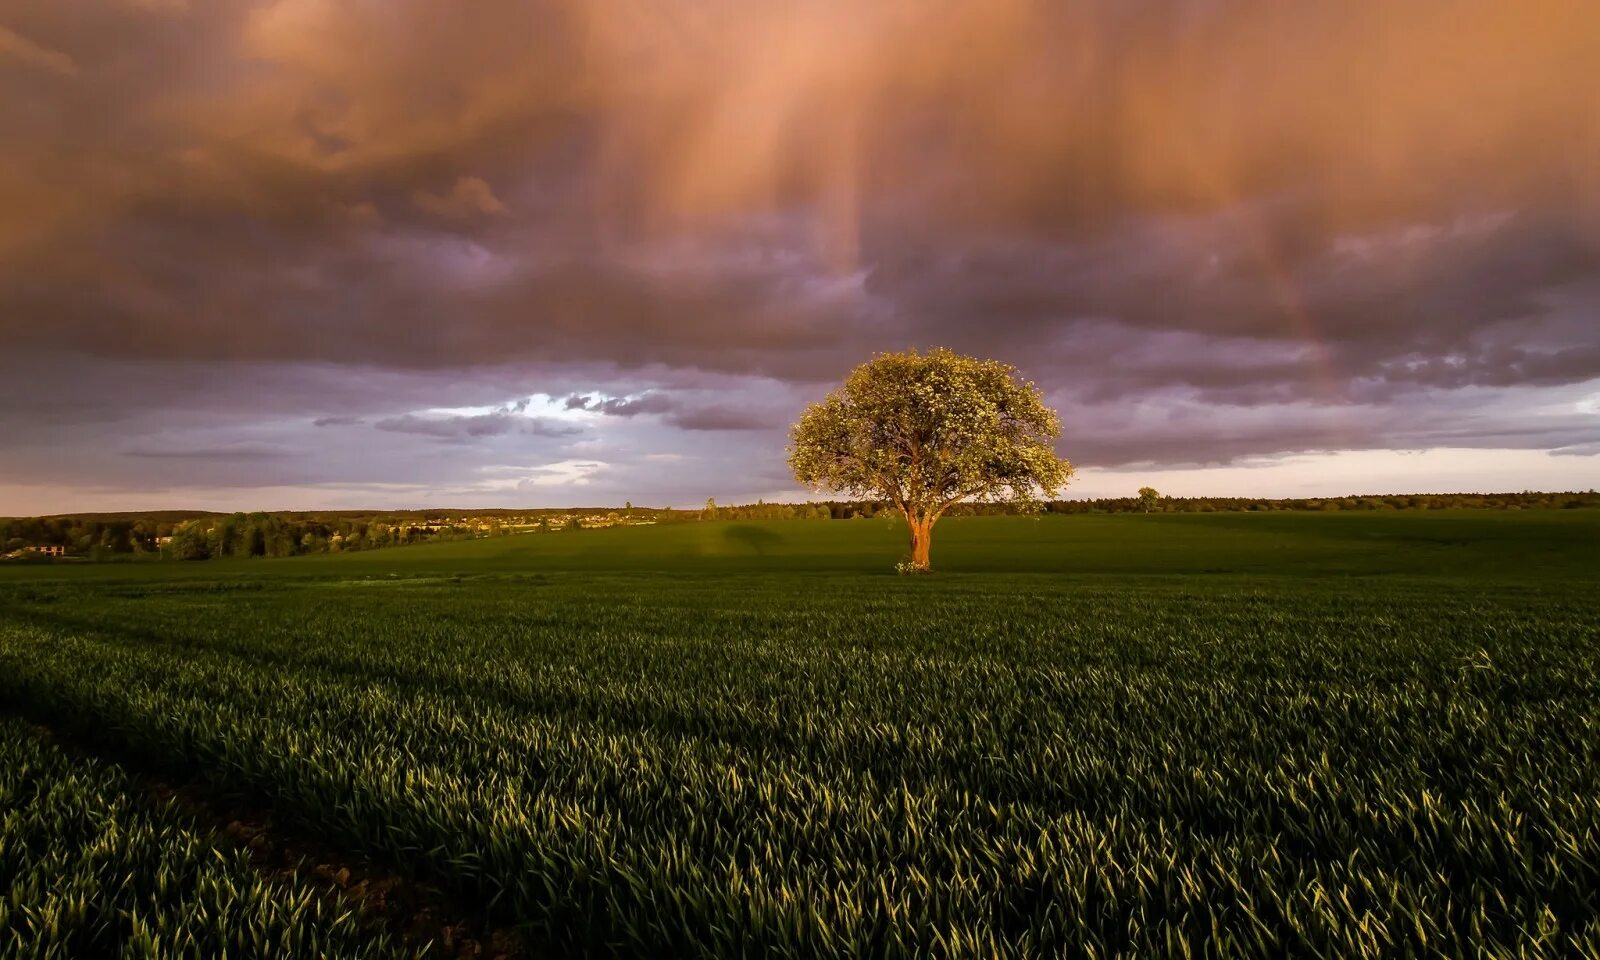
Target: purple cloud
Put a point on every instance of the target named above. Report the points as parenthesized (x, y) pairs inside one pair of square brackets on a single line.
[(227, 234)]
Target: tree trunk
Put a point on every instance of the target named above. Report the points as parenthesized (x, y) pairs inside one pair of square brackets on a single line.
[(921, 539)]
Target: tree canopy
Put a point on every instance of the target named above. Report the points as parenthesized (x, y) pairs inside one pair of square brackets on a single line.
[(925, 431)]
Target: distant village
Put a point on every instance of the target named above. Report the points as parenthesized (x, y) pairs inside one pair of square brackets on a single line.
[(473, 527), (179, 535)]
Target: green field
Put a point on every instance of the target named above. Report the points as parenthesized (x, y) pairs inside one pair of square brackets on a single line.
[(1172, 735)]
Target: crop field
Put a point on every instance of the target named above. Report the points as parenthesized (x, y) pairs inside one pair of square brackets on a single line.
[(1233, 735), (94, 868)]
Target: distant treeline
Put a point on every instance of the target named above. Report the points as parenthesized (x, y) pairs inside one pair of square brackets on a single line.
[(844, 510), (207, 535), (204, 536), (1526, 500), (183, 535)]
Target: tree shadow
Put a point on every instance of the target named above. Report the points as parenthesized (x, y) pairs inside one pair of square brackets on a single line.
[(757, 539)]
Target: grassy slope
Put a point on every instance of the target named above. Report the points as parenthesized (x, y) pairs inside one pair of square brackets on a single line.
[(1520, 546)]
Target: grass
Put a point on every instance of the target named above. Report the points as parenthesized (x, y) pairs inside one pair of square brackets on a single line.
[(1527, 545), (92, 866), (1216, 735)]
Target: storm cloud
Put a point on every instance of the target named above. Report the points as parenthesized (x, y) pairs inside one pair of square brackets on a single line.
[(462, 428), (1209, 229)]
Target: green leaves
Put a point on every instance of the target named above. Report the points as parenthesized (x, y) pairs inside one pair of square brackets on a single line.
[(924, 431), (90, 866), (836, 767)]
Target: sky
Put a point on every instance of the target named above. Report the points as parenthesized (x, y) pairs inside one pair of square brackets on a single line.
[(289, 254)]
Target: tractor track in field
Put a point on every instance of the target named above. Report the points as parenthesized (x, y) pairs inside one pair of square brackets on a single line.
[(423, 916)]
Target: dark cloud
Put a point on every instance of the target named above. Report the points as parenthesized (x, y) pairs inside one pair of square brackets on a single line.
[(222, 453), (462, 428), (1308, 226), (722, 418), (676, 412), (1174, 433), (621, 406), (469, 197), (1578, 450)]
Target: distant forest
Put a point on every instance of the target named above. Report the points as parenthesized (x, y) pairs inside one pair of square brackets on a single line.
[(198, 535)]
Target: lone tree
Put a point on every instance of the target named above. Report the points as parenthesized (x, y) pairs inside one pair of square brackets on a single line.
[(926, 431), (1149, 497)]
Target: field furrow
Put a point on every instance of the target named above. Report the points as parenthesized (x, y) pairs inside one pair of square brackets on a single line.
[(1015, 767)]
